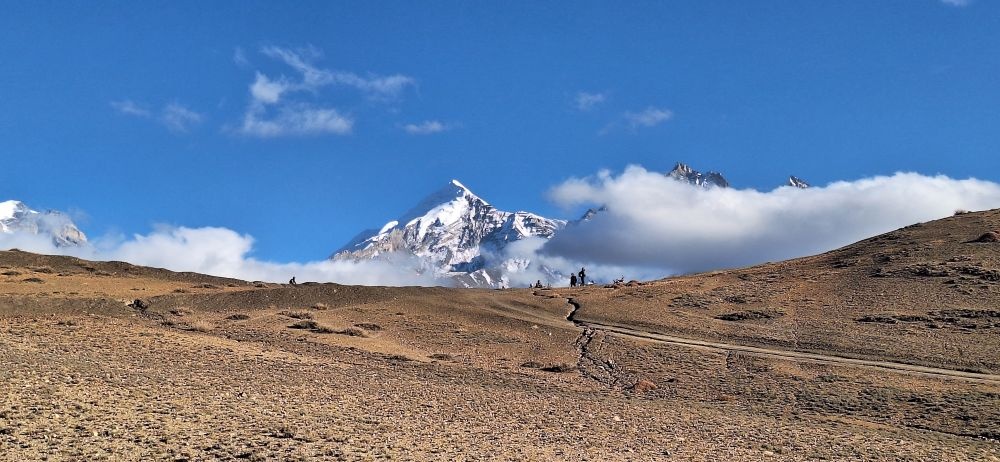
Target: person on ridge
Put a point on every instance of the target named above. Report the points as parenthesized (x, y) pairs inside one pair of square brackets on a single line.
[(538, 284), (583, 276), (572, 280), (292, 281)]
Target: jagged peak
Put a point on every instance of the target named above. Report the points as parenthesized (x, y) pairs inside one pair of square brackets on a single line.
[(684, 172), (681, 167), (797, 182)]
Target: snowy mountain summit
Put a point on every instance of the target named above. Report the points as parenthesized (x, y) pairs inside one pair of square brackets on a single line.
[(797, 182), (455, 234), (683, 172), (16, 217)]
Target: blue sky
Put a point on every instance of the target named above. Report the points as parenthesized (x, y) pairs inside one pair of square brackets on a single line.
[(131, 114)]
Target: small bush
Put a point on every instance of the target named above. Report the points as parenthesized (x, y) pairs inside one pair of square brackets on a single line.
[(205, 286), (34, 280), (11, 273), (200, 326), (320, 307), (352, 332), (43, 269), (561, 367), (238, 317), (369, 326), (180, 311), (442, 356), (309, 325), (297, 314)]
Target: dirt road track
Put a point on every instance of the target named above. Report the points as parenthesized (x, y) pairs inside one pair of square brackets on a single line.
[(791, 355)]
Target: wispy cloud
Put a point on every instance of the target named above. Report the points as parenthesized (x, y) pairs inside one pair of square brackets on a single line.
[(295, 119), (313, 77), (586, 101), (291, 106), (957, 2), (129, 107), (240, 57), (649, 117), (427, 127), (176, 117)]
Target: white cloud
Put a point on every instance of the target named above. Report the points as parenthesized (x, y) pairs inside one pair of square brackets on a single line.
[(649, 117), (179, 119), (655, 222), (295, 119), (957, 2), (174, 116), (587, 101), (427, 127), (267, 91), (284, 106), (222, 252), (129, 107)]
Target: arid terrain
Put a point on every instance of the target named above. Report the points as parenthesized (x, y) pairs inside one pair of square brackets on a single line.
[(888, 349)]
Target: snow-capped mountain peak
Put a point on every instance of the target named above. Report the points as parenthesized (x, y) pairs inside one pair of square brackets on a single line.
[(17, 217), (453, 232), (683, 172), (797, 182)]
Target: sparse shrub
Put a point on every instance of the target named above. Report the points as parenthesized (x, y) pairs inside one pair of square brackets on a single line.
[(238, 317), (310, 325), (180, 311), (747, 316), (561, 367), (199, 326), (961, 212), (43, 269), (181, 291), (103, 273), (352, 332), (297, 314), (34, 280), (369, 326), (643, 386), (205, 286), (259, 285), (320, 307), (11, 273), (532, 365), (441, 356)]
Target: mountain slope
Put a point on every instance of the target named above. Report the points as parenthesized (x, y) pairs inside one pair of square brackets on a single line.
[(17, 217)]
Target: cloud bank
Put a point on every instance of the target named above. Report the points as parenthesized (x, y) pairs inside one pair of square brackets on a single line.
[(656, 224), (222, 252)]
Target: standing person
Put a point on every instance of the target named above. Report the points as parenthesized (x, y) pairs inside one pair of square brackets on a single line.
[(572, 280), (583, 276)]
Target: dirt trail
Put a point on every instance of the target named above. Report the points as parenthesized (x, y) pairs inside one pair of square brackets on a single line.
[(791, 355)]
